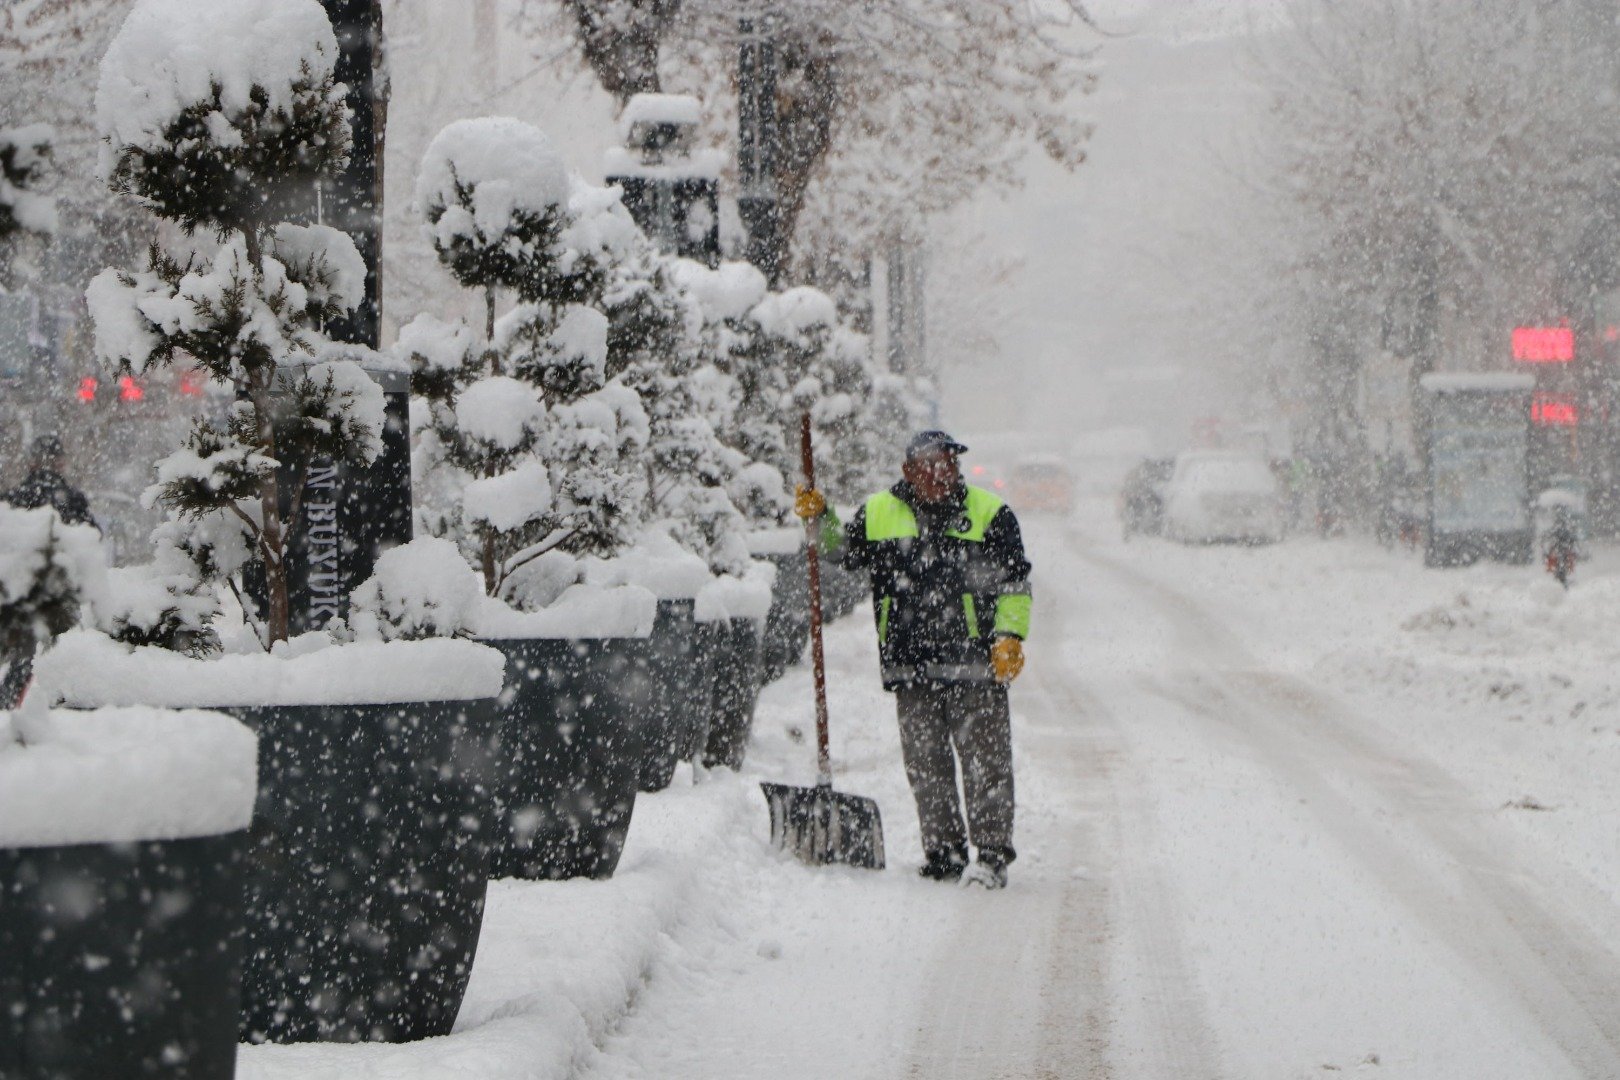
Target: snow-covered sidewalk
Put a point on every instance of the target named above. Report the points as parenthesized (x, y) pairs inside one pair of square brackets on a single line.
[(702, 911)]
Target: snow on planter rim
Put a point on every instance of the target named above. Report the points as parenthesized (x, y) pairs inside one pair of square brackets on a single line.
[(581, 612), (87, 668), (783, 540), (729, 597), (657, 563), (120, 775)]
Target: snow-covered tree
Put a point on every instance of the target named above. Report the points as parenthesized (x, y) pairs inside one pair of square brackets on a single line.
[(739, 389), (525, 442), (217, 119), (656, 341), (886, 110), (1434, 174)]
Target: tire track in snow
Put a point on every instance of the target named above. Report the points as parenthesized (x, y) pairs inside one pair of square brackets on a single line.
[(1494, 902), (1025, 990)]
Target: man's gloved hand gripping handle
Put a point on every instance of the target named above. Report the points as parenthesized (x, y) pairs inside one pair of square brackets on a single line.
[(1007, 658)]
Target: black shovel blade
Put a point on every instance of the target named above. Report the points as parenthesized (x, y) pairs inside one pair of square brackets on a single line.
[(819, 825)]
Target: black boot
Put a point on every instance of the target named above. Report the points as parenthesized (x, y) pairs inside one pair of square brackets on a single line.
[(944, 865)]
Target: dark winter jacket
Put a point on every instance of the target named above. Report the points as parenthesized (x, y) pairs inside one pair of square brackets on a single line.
[(947, 579), (46, 487)]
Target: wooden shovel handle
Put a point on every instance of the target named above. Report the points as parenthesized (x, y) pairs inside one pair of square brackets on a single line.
[(818, 659)]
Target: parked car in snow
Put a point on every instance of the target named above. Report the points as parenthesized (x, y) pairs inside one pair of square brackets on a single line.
[(1141, 499), (1041, 483), (1216, 495)]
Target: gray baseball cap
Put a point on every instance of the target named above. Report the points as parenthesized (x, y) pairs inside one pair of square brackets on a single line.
[(928, 442)]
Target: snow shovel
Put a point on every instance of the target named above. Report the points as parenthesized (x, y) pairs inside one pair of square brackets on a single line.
[(819, 825)]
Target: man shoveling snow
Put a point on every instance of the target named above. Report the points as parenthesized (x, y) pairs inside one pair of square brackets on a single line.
[(950, 592)]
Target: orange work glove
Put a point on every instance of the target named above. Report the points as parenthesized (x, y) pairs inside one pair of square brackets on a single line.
[(1007, 658), (809, 503)]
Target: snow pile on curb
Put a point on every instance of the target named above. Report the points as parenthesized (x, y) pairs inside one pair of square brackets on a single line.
[(119, 775)]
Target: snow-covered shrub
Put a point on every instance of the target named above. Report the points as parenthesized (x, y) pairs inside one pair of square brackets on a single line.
[(657, 343), (48, 571), (172, 602), (738, 390), (217, 117), (419, 590), (25, 154), (525, 443)]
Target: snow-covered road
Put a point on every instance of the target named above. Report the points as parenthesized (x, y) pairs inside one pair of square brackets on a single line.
[(1275, 821)]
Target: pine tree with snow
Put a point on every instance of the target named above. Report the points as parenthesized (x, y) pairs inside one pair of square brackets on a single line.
[(220, 118), (738, 390), (656, 341), (525, 420)]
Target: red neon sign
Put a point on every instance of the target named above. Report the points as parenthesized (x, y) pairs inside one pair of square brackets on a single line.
[(129, 389), (1543, 344), (1554, 410), (87, 388)]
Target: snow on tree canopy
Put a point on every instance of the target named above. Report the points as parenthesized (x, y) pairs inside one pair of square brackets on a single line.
[(600, 228), (793, 314), (726, 293), (436, 343), (24, 153), (511, 500), (325, 260), (482, 173), (171, 56), (500, 412)]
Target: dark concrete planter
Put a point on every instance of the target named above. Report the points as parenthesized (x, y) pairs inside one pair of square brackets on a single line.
[(739, 676), (369, 859), (675, 716), (787, 627), (570, 754), (121, 959)]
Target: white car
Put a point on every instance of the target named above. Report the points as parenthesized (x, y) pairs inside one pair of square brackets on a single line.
[(1223, 495)]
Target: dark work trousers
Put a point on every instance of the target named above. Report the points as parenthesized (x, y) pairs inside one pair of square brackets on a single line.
[(941, 724)]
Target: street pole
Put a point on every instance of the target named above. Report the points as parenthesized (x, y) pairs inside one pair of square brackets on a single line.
[(352, 514), (757, 201)]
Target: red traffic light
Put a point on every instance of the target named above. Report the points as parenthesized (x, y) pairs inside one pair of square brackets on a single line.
[(87, 388)]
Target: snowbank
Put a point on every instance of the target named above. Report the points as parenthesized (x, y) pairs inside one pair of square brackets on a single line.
[(117, 775), (582, 611), (90, 669)]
